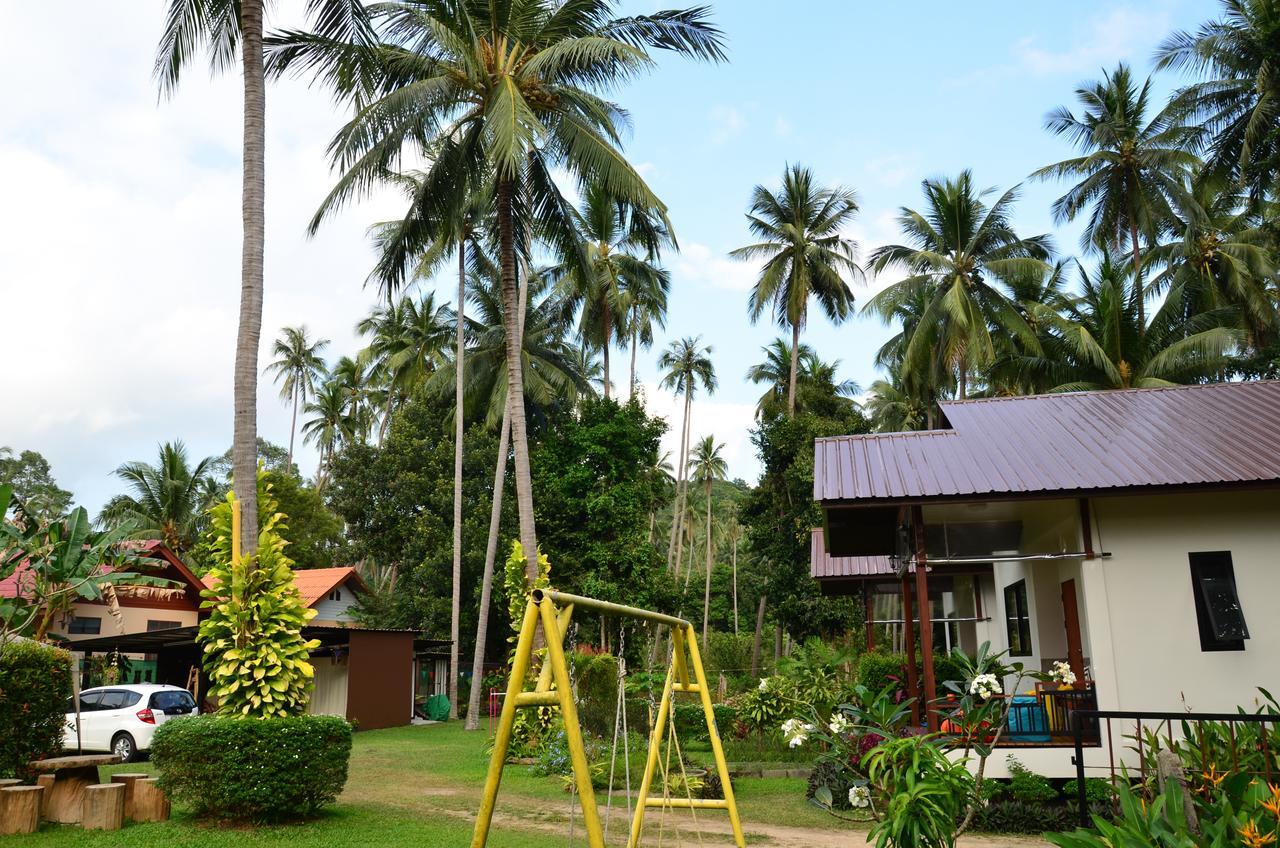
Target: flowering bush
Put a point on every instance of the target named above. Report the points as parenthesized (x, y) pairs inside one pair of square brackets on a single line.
[(796, 732)]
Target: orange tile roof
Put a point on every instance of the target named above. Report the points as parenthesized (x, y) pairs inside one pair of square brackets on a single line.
[(314, 583)]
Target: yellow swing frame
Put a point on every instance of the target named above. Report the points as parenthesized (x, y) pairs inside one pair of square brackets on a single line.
[(552, 611)]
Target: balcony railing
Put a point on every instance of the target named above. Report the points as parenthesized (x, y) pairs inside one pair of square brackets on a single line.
[(1046, 719)]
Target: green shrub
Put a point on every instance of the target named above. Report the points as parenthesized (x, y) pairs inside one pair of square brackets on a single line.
[(253, 770), (877, 671), (35, 683), (948, 667), (1027, 786), (1096, 790), (1023, 817), (764, 708), (729, 655), (691, 724)]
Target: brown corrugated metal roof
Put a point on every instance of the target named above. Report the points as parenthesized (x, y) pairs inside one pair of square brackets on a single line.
[(822, 564), (1214, 434)]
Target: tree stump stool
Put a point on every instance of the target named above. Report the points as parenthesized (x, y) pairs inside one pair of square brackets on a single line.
[(128, 779), (64, 798), (45, 780), (103, 806), (6, 782), (20, 809), (149, 801)]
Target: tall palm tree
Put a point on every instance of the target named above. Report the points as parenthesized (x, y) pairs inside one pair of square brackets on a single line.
[(1133, 171), (707, 466), (960, 251), (358, 385), (621, 246), (687, 363), (804, 255), (1238, 104), (166, 501), (1098, 342), (220, 28), (329, 425), (495, 95), (894, 409), (815, 380), (407, 341), (645, 302), (298, 367), (734, 531)]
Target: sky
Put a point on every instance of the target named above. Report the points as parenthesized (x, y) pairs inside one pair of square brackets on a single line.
[(120, 217)]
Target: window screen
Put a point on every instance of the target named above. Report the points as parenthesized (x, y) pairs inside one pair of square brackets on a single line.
[(1219, 615), (1017, 619)]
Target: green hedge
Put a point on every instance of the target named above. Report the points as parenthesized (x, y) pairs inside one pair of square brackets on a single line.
[(691, 723), (253, 770), (877, 670), (35, 683)]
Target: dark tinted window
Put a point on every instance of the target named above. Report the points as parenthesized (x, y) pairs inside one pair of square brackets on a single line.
[(152, 624), (89, 701), (82, 625), (115, 699), (1017, 619), (170, 700), (1219, 615)]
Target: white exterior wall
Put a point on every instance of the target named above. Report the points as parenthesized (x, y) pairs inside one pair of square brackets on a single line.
[(339, 611), (132, 619), (1150, 607)]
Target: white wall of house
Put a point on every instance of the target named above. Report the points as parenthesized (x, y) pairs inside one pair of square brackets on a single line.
[(132, 619), (1159, 664), (337, 609)]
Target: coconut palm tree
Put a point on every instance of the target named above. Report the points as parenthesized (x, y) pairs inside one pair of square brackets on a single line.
[(816, 381), (362, 393), (1238, 101), (707, 466), (960, 251), (495, 95), (298, 367), (1098, 343), (805, 255), (221, 28), (329, 425), (734, 532), (687, 363), (894, 409), (621, 246), (645, 302), (407, 342), (1133, 172), (166, 501)]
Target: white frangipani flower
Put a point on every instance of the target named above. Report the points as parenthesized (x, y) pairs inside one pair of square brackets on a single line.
[(859, 797), (985, 685), (839, 724), (796, 732)]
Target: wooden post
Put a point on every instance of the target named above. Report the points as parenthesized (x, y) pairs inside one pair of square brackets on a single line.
[(103, 806), (869, 615), (20, 809), (909, 648), (926, 618), (129, 779), (149, 801)]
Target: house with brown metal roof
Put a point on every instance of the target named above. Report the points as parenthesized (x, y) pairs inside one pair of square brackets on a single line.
[(1134, 534)]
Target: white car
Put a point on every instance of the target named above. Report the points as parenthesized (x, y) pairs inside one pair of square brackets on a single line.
[(122, 719)]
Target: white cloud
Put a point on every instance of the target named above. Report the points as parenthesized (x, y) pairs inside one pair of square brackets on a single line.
[(699, 265), (891, 171), (1121, 33), (781, 127), (727, 123), (729, 423)]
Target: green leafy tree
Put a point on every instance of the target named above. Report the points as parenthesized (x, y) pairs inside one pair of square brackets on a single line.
[(1133, 172), (254, 652), (1237, 99), (960, 251), (497, 95), (805, 255), (166, 501), (31, 479), (298, 367)]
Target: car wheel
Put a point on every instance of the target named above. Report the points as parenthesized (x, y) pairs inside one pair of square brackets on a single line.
[(124, 747)]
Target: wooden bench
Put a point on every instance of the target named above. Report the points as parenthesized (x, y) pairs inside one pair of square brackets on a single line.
[(64, 796)]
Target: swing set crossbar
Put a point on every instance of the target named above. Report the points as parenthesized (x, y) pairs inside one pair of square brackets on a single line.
[(551, 612)]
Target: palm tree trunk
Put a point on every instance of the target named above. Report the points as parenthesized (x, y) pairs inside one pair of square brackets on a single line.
[(706, 592), (963, 382), (755, 642), (486, 582), (682, 482), (1137, 278), (777, 643), (632, 391), (293, 427), (455, 625), (607, 332), (795, 362), (244, 451), (512, 309), (735, 584), (673, 559)]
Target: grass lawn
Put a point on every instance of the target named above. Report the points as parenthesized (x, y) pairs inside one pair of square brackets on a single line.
[(420, 786)]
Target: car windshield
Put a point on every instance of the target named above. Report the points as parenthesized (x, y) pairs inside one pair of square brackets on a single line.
[(171, 700)]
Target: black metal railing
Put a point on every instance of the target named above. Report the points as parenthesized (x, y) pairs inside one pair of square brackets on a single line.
[(1208, 745)]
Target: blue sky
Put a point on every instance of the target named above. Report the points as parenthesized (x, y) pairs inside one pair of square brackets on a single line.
[(119, 242)]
